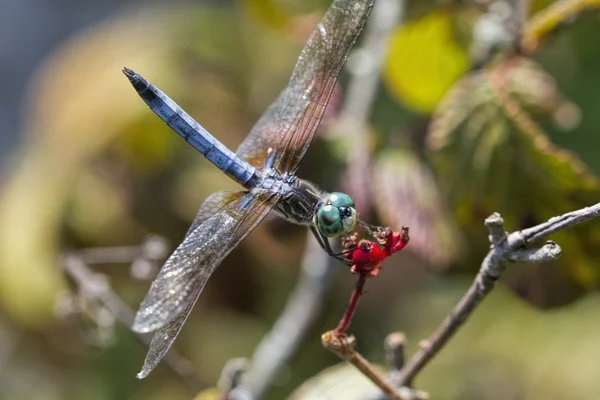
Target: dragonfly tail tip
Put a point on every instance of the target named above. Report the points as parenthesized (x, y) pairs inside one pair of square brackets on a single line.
[(129, 73)]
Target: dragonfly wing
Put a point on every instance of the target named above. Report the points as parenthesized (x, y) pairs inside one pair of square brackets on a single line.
[(290, 123), (173, 294), (212, 205), (186, 271), (164, 337), (263, 136)]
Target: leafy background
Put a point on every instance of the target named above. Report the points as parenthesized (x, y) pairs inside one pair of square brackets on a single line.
[(85, 164)]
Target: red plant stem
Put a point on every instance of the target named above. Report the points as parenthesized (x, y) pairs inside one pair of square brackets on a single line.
[(345, 321)]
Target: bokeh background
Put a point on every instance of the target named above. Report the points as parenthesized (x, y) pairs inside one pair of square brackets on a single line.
[(85, 164)]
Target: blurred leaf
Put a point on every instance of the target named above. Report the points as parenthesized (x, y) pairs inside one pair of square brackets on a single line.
[(78, 102), (269, 13), (96, 208), (406, 194), (489, 156), (342, 381), (538, 5), (142, 152), (424, 60), (209, 394)]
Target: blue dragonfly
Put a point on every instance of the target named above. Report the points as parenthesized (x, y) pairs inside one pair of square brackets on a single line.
[(265, 164)]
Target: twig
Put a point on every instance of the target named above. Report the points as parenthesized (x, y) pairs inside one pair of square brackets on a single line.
[(96, 286), (394, 351), (505, 248), (557, 223), (303, 306), (144, 259), (343, 346)]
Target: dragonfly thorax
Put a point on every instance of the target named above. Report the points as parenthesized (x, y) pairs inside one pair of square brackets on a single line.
[(333, 214), (300, 202)]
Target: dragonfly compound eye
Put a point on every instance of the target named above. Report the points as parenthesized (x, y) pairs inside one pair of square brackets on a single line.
[(339, 199), (349, 219), (329, 221)]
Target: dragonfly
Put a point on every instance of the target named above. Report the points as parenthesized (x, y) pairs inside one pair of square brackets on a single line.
[(265, 164)]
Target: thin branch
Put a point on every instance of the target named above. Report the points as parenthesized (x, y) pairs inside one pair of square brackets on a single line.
[(480, 287), (96, 286), (144, 259), (548, 252), (153, 248), (558, 223), (344, 347), (505, 248), (302, 308)]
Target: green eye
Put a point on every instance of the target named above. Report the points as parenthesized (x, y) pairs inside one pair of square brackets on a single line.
[(339, 199), (329, 221), (349, 219)]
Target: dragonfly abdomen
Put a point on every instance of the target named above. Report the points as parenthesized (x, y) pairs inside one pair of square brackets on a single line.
[(193, 133)]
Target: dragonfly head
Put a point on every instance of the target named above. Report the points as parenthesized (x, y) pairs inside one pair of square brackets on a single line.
[(336, 215)]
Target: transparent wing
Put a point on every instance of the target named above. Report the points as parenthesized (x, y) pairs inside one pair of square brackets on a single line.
[(164, 337), (264, 135), (174, 292), (212, 205), (289, 124)]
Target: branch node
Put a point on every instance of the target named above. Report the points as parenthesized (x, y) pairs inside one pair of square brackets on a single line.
[(394, 350), (424, 344), (342, 345), (495, 225), (548, 252)]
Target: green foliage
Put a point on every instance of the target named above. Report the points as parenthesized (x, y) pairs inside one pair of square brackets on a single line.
[(490, 155), (418, 49)]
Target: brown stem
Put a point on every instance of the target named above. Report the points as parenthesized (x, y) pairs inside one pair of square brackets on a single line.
[(343, 346), (504, 248), (480, 287), (347, 317)]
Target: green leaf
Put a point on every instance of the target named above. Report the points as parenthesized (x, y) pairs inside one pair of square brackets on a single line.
[(490, 155), (424, 60)]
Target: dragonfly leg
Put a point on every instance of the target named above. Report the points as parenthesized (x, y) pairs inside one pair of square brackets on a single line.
[(371, 229), (324, 243)]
